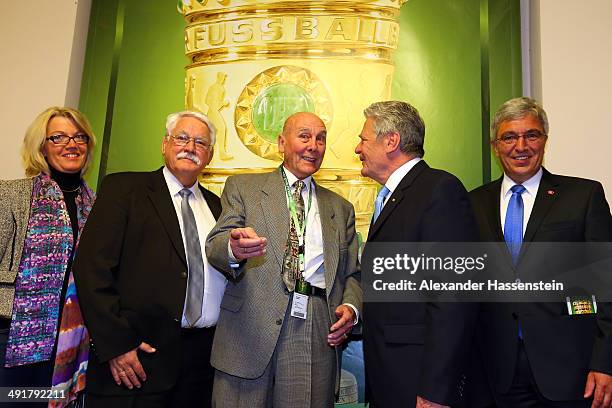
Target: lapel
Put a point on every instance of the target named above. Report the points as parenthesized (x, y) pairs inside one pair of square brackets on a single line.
[(275, 214), (160, 198), (212, 201), (330, 234), (542, 205), (491, 208), (491, 211), (398, 195)]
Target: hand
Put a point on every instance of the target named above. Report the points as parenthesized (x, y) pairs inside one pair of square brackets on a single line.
[(338, 331), (423, 403), (599, 386), (245, 243), (126, 368)]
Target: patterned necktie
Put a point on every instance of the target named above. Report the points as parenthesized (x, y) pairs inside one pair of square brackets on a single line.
[(291, 262), (378, 204), (513, 225), (195, 283)]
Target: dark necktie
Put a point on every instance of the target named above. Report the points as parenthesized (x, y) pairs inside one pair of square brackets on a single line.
[(513, 225), (291, 262), (195, 283)]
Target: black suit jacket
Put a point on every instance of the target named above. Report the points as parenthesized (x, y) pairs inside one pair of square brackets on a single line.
[(418, 348), (131, 276), (561, 348)]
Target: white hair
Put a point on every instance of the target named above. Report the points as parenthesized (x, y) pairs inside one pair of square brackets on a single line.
[(173, 118)]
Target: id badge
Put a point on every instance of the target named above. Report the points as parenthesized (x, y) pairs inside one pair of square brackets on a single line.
[(577, 305), (299, 306)]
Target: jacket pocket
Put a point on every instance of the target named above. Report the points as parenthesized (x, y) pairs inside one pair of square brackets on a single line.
[(231, 303), (558, 226), (405, 334), (7, 293), (8, 277)]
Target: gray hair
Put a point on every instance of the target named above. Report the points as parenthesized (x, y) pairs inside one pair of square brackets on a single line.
[(518, 108), (402, 118), (173, 118)]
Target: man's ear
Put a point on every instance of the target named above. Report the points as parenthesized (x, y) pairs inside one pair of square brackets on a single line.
[(392, 142), (210, 156), (163, 145), (281, 143), (494, 147)]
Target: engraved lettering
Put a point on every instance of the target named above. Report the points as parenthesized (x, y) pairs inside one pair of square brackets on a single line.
[(306, 28), (242, 32), (366, 31), (216, 34), (272, 29), (341, 27)]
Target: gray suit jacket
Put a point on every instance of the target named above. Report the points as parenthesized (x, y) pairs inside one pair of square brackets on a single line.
[(15, 197), (255, 301)]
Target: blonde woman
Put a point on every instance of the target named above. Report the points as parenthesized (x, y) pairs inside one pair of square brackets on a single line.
[(43, 341)]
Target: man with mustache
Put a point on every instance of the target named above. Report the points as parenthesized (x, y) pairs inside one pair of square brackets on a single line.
[(150, 298), (289, 249)]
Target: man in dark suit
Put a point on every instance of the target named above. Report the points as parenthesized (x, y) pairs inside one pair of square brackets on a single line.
[(414, 352), (149, 297), (535, 354)]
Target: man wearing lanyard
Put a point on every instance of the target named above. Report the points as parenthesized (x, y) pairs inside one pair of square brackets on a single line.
[(289, 249)]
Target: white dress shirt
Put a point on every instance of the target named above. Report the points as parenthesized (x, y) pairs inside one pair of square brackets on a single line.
[(397, 176), (214, 281), (529, 196)]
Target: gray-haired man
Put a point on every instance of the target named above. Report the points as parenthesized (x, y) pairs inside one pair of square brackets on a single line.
[(149, 297)]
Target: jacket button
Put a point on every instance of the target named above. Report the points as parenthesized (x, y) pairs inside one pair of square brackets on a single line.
[(184, 275), (279, 321)]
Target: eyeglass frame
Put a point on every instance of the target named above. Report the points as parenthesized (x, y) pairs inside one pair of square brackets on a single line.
[(515, 136), (85, 137), (186, 139)]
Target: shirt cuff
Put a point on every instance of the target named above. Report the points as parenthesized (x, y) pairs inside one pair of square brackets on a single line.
[(356, 313), (233, 262)]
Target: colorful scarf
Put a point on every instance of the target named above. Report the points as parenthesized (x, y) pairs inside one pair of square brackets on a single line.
[(38, 287)]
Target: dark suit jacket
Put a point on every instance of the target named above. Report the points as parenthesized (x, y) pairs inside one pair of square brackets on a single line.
[(561, 348), (415, 349), (131, 276)]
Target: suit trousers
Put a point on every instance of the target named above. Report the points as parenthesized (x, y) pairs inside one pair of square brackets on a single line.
[(524, 392), (301, 372), (193, 387)]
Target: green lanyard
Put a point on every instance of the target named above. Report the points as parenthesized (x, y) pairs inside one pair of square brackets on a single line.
[(300, 229)]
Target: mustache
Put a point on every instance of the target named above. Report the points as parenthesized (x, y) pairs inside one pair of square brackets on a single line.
[(191, 156)]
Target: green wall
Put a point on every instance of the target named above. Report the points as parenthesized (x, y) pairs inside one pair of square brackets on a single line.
[(439, 66)]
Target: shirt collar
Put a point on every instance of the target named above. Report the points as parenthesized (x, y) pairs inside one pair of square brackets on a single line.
[(291, 178), (174, 186), (530, 185), (396, 177)]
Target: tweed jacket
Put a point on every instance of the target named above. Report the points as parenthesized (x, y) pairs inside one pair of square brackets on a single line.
[(15, 197), (255, 300)]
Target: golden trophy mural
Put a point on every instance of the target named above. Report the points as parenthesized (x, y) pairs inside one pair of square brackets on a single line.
[(254, 63)]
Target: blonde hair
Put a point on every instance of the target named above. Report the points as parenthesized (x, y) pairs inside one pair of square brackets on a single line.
[(36, 136)]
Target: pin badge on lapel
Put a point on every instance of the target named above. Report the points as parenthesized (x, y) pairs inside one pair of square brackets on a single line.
[(551, 192)]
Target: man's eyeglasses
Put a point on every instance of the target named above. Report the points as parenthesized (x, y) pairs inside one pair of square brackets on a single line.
[(80, 138), (511, 138), (183, 140)]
